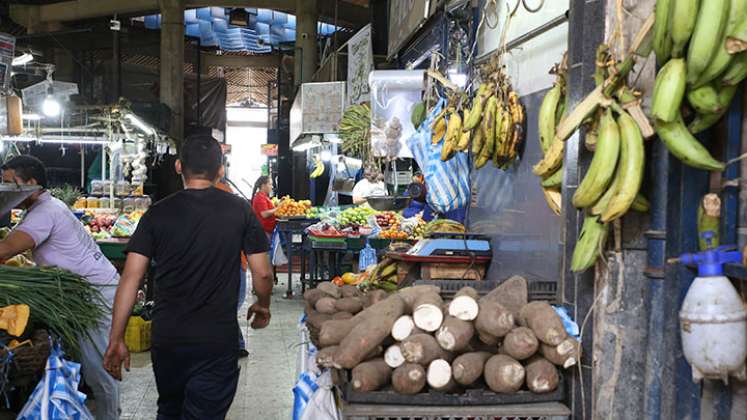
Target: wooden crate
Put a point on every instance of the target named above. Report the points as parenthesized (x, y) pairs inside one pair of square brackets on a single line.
[(438, 271)]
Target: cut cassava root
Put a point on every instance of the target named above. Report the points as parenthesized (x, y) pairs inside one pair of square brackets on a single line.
[(439, 376), (370, 333), (468, 368), (455, 334), (544, 321), (371, 375), (504, 374), (421, 348), (520, 343), (464, 306), (493, 319), (393, 356), (326, 305), (428, 312), (542, 376), (565, 354), (409, 379), (404, 327)]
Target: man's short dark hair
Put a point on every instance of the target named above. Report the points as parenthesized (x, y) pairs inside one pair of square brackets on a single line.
[(28, 167), (201, 157)]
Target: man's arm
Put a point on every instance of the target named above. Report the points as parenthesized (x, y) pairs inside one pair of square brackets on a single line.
[(262, 281), (134, 271), (267, 213), (16, 243)]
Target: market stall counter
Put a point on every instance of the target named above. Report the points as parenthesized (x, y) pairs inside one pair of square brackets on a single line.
[(293, 235)]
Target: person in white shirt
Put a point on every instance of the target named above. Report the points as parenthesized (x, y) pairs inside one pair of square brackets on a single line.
[(372, 185)]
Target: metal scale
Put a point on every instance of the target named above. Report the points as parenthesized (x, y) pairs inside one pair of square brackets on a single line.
[(11, 195)]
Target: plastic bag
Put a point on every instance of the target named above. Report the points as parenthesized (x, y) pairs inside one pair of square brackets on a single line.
[(322, 405), (448, 182), (277, 255), (56, 396), (571, 327), (366, 258)]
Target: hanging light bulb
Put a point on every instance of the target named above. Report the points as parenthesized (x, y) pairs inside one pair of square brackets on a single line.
[(51, 107)]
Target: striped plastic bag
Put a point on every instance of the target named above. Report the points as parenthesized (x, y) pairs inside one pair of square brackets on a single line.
[(448, 182), (57, 396)]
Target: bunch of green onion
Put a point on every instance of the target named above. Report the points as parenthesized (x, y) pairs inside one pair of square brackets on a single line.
[(64, 303)]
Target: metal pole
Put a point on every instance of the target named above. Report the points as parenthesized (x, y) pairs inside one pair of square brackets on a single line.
[(199, 83)]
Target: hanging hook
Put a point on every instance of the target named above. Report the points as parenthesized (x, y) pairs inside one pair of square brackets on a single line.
[(526, 7), (536, 9)]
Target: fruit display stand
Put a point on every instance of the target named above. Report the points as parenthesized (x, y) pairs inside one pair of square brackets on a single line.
[(327, 255), (293, 234)]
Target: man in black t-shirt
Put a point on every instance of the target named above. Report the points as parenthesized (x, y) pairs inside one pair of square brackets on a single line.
[(195, 237)]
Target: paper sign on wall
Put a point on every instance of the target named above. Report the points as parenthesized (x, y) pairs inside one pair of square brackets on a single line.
[(360, 63)]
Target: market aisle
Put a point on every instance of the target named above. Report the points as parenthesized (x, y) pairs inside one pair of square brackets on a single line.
[(267, 375)]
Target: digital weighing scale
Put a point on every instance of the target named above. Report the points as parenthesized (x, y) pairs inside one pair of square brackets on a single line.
[(458, 248)]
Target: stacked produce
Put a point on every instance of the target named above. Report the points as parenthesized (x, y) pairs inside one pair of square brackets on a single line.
[(697, 70), (443, 226), (355, 216), (354, 130), (105, 225), (288, 207), (387, 220), (412, 340), (493, 127)]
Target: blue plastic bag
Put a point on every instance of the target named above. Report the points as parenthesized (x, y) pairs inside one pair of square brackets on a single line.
[(448, 182), (56, 396), (302, 393), (366, 258), (571, 327)]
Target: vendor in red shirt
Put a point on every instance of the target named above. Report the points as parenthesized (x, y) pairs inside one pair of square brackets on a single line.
[(262, 205)]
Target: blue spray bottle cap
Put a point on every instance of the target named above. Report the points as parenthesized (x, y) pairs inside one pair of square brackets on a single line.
[(711, 262)]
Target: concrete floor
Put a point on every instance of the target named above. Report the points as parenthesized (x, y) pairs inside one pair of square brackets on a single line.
[(267, 375)]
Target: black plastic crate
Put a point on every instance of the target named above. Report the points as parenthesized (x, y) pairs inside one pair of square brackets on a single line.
[(296, 225), (538, 290), (470, 397), (340, 245)]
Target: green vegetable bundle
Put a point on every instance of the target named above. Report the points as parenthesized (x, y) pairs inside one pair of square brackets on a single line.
[(64, 303), (354, 131)]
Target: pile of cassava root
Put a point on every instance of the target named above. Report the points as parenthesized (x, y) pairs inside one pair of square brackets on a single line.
[(413, 340)]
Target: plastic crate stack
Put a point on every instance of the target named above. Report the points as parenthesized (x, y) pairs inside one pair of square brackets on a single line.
[(266, 29)]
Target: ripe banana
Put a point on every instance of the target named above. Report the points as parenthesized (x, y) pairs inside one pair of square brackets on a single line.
[(547, 115), (662, 39), (554, 199), (602, 168), (439, 130), (516, 108), (722, 58), (737, 70), (685, 147), (630, 172), (454, 127), (682, 21), (707, 37), (487, 127), (500, 137), (463, 142), (552, 160), (478, 142), (555, 180), (590, 244), (704, 99), (475, 114), (669, 89), (318, 169)]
